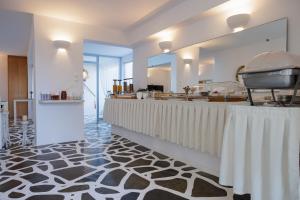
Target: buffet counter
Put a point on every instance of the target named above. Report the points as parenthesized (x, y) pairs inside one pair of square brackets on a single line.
[(258, 146), (197, 125), (260, 153)]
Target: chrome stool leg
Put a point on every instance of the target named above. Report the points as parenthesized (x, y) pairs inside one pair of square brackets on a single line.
[(24, 131)]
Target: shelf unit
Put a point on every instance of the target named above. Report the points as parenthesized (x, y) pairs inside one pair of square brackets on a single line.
[(60, 101)]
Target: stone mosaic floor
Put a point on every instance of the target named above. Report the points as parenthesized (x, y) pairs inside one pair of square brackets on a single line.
[(103, 166), (16, 133)]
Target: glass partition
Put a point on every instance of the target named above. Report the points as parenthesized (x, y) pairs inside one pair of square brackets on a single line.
[(90, 89), (109, 69), (128, 70), (99, 72)]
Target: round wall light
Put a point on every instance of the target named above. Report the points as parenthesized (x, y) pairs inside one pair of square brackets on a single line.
[(61, 44), (165, 46), (238, 22)]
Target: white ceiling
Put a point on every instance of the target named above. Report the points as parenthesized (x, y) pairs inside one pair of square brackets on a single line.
[(108, 50), (15, 32), (114, 14)]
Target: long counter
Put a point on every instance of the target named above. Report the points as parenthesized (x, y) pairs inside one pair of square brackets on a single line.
[(258, 146), (197, 125)]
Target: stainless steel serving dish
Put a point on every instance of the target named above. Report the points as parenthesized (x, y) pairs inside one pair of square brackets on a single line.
[(276, 79), (287, 78)]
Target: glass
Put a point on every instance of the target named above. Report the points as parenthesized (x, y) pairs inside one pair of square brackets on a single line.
[(90, 90), (90, 59), (128, 68), (109, 69)]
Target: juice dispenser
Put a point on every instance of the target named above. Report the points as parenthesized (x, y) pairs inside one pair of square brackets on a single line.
[(119, 87), (115, 87)]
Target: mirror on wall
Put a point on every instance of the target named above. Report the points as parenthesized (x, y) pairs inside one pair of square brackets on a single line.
[(160, 72), (160, 76), (219, 59)]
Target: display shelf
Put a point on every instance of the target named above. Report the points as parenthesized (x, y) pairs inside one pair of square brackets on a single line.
[(60, 101)]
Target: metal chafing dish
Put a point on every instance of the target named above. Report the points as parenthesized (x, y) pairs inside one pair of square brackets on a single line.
[(272, 71)]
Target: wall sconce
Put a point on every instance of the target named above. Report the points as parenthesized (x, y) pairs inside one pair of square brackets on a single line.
[(187, 61), (85, 74), (238, 22), (61, 44), (165, 46)]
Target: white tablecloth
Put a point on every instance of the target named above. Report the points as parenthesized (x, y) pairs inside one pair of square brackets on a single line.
[(197, 125), (260, 154)]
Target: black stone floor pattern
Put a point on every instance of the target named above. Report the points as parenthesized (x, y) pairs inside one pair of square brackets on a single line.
[(103, 166), (16, 133)]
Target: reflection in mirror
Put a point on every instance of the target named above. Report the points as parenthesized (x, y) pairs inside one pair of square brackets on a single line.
[(160, 75), (219, 59), (231, 52), (161, 72)]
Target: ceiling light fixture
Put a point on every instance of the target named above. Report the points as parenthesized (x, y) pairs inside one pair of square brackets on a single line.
[(238, 22), (61, 44), (165, 46)]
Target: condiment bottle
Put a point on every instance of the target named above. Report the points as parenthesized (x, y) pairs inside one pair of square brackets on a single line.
[(119, 87), (115, 87), (63, 95)]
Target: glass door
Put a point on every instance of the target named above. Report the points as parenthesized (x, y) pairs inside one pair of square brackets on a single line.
[(109, 69), (90, 71), (98, 74)]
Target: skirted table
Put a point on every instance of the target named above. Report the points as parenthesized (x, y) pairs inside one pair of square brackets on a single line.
[(260, 153), (197, 125), (258, 146)]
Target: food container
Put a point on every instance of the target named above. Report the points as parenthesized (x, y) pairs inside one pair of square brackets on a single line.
[(54, 97), (276, 79), (272, 70)]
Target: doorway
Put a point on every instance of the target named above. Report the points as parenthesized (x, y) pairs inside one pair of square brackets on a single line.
[(17, 84), (102, 64)]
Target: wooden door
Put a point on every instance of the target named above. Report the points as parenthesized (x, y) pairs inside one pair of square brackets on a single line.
[(17, 84)]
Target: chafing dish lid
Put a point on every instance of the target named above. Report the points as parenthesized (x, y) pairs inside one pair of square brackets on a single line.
[(270, 61)]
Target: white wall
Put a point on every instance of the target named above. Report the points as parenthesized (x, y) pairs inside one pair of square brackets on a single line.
[(3, 77), (187, 74), (56, 71), (210, 27)]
